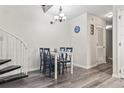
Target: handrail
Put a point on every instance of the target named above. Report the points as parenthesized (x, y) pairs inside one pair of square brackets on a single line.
[(15, 37), (21, 54)]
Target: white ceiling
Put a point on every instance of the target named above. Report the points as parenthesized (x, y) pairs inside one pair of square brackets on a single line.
[(72, 11)]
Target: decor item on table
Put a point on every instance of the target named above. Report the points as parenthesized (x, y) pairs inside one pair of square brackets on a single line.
[(92, 29), (55, 49), (59, 18), (77, 29)]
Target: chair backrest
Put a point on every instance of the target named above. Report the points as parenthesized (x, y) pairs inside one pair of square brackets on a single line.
[(62, 55), (62, 49), (41, 54), (69, 49), (47, 51), (47, 56)]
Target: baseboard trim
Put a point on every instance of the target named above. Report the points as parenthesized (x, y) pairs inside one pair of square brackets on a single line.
[(88, 67), (80, 66), (91, 66), (34, 69), (85, 67), (115, 76)]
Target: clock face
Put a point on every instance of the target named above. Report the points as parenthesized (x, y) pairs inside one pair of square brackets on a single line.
[(77, 29)]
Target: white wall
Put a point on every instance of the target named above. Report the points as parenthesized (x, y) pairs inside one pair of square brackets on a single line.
[(84, 43), (79, 40), (92, 39), (31, 25)]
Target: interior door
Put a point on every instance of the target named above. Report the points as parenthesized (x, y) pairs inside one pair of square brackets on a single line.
[(121, 43), (100, 45)]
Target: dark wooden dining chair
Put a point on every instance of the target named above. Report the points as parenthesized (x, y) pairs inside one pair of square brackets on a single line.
[(65, 58), (48, 63)]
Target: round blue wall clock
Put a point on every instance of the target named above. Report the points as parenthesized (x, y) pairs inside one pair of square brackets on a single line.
[(77, 29)]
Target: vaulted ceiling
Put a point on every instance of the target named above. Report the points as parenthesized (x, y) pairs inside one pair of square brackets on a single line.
[(72, 11)]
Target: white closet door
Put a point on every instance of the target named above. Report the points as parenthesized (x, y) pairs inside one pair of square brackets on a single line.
[(100, 45)]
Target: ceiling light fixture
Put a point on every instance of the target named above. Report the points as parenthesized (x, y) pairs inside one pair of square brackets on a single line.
[(109, 15), (59, 18), (109, 27)]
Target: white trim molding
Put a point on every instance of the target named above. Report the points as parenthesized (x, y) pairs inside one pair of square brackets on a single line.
[(80, 66), (88, 67), (34, 69), (115, 76)]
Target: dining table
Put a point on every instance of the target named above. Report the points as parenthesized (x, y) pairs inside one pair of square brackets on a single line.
[(56, 55)]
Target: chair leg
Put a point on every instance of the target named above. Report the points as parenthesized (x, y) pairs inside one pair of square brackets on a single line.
[(59, 68), (40, 66), (63, 68), (44, 68), (53, 68), (50, 68), (66, 66)]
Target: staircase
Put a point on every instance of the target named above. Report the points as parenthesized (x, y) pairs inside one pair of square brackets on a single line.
[(7, 78), (13, 57)]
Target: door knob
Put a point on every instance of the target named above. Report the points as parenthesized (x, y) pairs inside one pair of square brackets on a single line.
[(119, 43)]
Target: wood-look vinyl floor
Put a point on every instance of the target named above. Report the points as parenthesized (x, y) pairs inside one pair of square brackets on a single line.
[(99, 76)]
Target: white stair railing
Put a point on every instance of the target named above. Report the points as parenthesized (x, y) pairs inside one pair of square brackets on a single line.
[(11, 47)]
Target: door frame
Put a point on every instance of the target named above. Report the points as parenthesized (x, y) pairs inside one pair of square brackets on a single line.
[(118, 43), (118, 40)]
